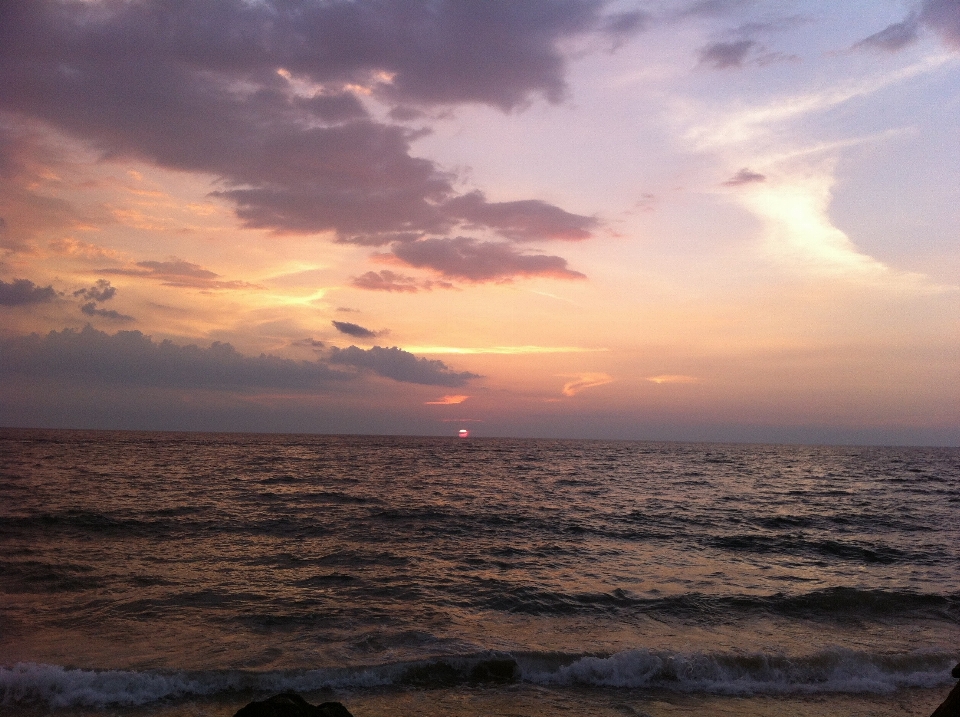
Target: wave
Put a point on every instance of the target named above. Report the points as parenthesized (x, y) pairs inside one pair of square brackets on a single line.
[(826, 604), (829, 671)]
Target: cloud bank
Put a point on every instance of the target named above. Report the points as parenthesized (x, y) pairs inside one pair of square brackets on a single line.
[(131, 358)]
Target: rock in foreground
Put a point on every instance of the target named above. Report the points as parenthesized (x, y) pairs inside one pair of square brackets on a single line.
[(951, 705), (292, 705)]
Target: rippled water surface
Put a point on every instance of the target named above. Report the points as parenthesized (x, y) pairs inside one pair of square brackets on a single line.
[(244, 560)]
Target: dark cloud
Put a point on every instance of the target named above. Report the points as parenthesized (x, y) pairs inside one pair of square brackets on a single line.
[(744, 176), (401, 365), (129, 358), (259, 95), (477, 261), (90, 309), (178, 272), (101, 291), (23, 292), (309, 342), (525, 220), (892, 38), (943, 17), (345, 327), (724, 55)]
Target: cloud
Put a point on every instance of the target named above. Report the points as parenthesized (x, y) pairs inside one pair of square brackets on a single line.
[(724, 55), (471, 260), (345, 327), (943, 17), (386, 280), (400, 365), (584, 381), (131, 358), (264, 96), (179, 273), (506, 350), (744, 176), (90, 309), (101, 291), (527, 220), (309, 342), (23, 292), (447, 400), (893, 38), (672, 378)]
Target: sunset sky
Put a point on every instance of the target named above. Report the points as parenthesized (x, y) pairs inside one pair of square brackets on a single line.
[(703, 220)]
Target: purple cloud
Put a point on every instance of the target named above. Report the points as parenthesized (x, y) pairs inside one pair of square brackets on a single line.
[(744, 176), (178, 272), (386, 280), (477, 261), (401, 365), (356, 330), (90, 309), (892, 38), (525, 220), (101, 291), (724, 55), (943, 17), (23, 292), (131, 358), (218, 88)]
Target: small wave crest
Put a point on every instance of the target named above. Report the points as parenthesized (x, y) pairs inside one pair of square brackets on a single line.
[(834, 670), (829, 671)]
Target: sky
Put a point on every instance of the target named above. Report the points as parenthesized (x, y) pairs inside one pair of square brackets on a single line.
[(718, 220)]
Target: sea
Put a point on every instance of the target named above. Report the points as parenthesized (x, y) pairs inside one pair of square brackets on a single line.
[(186, 574)]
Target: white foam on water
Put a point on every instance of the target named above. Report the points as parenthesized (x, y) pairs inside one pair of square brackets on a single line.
[(58, 686), (829, 671), (833, 670)]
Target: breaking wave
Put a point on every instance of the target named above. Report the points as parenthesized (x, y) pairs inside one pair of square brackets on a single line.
[(829, 671)]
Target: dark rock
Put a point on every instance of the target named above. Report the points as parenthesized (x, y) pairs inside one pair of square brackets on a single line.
[(292, 705), (951, 705)]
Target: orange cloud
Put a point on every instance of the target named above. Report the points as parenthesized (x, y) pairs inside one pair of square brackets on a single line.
[(447, 400), (584, 381), (672, 378)]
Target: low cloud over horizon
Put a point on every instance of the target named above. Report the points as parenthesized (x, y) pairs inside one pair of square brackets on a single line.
[(132, 357)]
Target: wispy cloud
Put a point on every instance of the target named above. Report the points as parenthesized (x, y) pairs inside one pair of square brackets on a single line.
[(447, 400), (672, 378), (509, 350), (583, 381), (178, 273)]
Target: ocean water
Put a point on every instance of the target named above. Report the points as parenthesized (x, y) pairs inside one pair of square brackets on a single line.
[(164, 573)]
